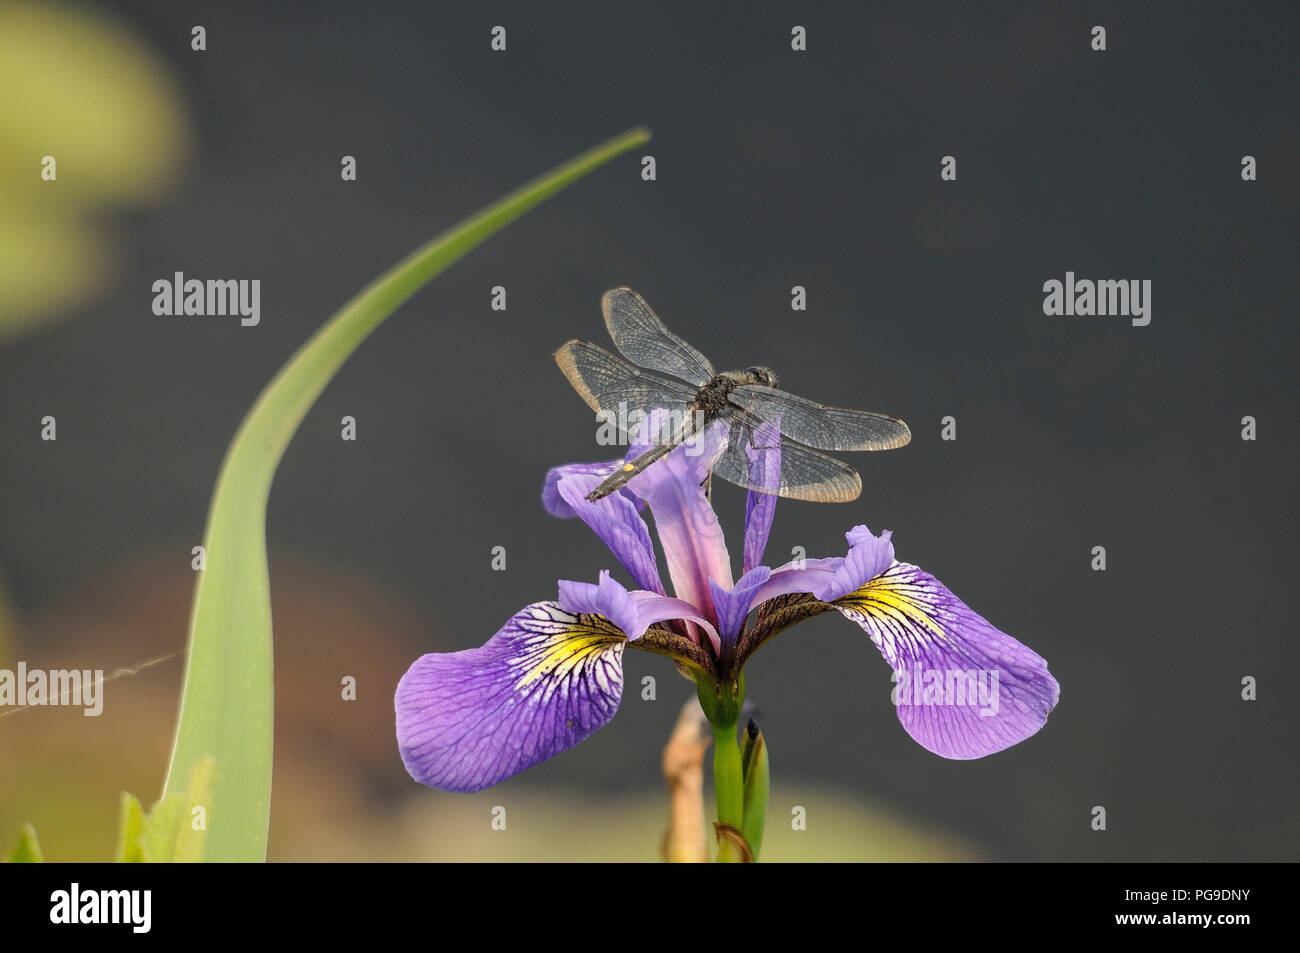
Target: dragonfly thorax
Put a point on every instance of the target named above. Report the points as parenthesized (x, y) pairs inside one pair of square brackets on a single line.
[(711, 399), (713, 396)]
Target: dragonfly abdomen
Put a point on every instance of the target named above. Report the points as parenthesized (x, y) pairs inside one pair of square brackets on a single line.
[(619, 478), (696, 417)]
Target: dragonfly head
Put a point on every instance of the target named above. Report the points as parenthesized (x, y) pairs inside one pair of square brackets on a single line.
[(761, 375)]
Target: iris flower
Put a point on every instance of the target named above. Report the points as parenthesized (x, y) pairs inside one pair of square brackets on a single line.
[(553, 674)]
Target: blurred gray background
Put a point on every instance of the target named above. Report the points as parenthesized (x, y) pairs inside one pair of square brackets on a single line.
[(775, 168)]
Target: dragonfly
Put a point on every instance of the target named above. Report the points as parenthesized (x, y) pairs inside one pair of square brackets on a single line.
[(660, 371)]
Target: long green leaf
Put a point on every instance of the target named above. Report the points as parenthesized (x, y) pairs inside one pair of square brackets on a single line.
[(226, 703)]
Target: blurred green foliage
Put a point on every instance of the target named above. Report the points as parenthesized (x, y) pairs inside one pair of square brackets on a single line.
[(175, 828), (28, 848), (83, 90)]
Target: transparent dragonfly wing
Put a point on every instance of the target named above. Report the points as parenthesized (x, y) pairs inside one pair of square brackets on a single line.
[(805, 474), (642, 338), (822, 426), (623, 391)]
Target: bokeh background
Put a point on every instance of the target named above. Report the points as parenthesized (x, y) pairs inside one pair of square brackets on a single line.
[(775, 168)]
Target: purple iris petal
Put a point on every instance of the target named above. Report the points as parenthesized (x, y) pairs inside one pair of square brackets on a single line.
[(694, 546), (555, 504), (828, 579), (733, 605), (606, 598), (764, 453), (869, 555), (655, 427), (963, 688), (544, 682), (802, 575), (655, 608), (618, 524), (633, 612)]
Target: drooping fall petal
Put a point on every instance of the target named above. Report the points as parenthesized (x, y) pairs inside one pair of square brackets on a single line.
[(963, 688), (543, 683)]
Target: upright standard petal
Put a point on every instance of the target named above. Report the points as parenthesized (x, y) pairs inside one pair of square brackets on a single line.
[(764, 452), (543, 683), (694, 546), (963, 688)]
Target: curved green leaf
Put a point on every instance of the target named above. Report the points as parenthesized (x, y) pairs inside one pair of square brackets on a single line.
[(226, 704)]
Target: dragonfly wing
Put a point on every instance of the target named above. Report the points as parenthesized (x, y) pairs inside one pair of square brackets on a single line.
[(822, 426), (622, 390), (642, 338), (805, 474)]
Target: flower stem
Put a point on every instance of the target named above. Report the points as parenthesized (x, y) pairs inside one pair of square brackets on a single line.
[(729, 784), (722, 704)]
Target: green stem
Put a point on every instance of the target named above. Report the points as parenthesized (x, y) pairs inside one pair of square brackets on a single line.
[(729, 785), (722, 704)]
